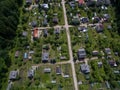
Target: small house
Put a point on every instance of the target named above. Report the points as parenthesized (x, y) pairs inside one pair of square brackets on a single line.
[(81, 53), (30, 73), (47, 70), (28, 2), (108, 51), (37, 1), (57, 31), (25, 56), (24, 33), (95, 53), (72, 4), (45, 6), (45, 22), (99, 28), (106, 17), (55, 20), (84, 20), (13, 75), (96, 19), (107, 2), (34, 23), (16, 54), (82, 28), (85, 68), (45, 33), (112, 63), (58, 70), (35, 33), (45, 57), (75, 21), (100, 64)]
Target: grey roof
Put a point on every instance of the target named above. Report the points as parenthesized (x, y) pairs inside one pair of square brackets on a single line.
[(99, 28), (81, 53), (85, 68), (24, 33), (13, 75), (58, 70), (45, 32), (57, 31), (107, 51), (30, 73), (47, 70), (34, 23), (28, 1), (55, 20), (45, 56), (95, 53), (16, 54)]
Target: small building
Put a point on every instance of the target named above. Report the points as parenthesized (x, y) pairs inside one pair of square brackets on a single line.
[(58, 70), (108, 51), (84, 20), (16, 54), (85, 68), (37, 1), (45, 6), (25, 55), (24, 33), (55, 20), (47, 70), (107, 2), (13, 75), (57, 31), (35, 33), (45, 32), (112, 63), (28, 2), (100, 64), (30, 73), (34, 23), (95, 53), (72, 4), (99, 28), (96, 19), (45, 22), (81, 53), (106, 17), (45, 57), (82, 28)]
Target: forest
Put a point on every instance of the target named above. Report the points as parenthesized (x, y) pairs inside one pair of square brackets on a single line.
[(9, 19)]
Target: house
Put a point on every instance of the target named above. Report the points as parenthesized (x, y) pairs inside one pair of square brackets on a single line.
[(45, 6), (107, 2), (24, 33), (99, 28), (16, 54), (81, 2), (85, 68), (25, 55), (30, 73), (84, 20), (45, 32), (35, 33), (45, 57), (34, 23), (37, 1), (95, 19), (57, 31), (108, 51), (82, 28), (112, 63), (81, 53), (45, 22), (55, 20), (72, 4), (116, 72), (58, 70), (13, 75), (28, 2), (95, 53), (109, 27), (47, 70), (91, 2), (100, 64), (75, 21), (99, 2), (106, 17)]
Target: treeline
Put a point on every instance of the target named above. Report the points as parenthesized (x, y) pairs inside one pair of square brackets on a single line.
[(9, 19)]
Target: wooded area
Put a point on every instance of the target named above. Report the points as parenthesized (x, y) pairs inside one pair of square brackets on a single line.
[(9, 19)]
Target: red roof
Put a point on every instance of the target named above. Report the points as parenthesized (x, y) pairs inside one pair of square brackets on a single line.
[(35, 33), (81, 1)]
